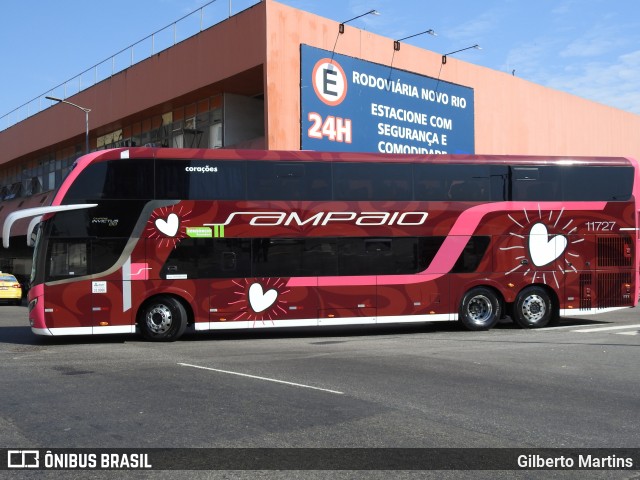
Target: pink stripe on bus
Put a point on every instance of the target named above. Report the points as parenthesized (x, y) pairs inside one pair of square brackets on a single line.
[(452, 247)]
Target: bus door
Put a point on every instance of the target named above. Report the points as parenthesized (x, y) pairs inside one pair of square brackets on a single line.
[(111, 292), (76, 299), (67, 298)]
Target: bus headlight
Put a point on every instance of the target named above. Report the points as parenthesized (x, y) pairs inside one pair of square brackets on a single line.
[(32, 304)]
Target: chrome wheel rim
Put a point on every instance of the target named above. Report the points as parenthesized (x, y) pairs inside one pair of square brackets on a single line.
[(533, 308), (480, 310), (159, 319)]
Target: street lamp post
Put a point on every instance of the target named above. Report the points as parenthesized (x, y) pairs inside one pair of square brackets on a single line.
[(86, 118), (396, 43), (444, 57), (370, 12)]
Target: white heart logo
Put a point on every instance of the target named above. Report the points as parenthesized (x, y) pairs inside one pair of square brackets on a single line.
[(260, 300), (542, 249), (169, 226)]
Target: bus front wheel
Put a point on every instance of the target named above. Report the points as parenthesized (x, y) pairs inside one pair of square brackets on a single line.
[(533, 308), (480, 309), (163, 319)]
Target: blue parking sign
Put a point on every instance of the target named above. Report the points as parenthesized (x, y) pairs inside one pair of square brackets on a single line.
[(349, 104)]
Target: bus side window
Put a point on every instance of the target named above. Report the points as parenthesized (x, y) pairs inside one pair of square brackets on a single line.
[(499, 184), (114, 179), (454, 182), (457, 191), (397, 189), (471, 255), (597, 183), (288, 181), (354, 189), (471, 190), (225, 258), (105, 253), (200, 180), (434, 190), (373, 181), (228, 263), (209, 258), (431, 182), (536, 183), (67, 258)]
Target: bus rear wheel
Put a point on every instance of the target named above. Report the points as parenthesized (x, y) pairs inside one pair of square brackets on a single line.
[(163, 319), (533, 308), (480, 309)]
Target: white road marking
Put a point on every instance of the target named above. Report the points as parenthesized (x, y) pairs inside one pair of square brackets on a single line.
[(602, 329), (628, 333), (261, 378), (550, 329)]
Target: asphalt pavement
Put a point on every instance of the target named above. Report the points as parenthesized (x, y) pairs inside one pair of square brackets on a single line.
[(427, 386)]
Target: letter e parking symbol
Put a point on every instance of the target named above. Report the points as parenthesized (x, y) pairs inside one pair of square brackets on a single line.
[(329, 79), (329, 82)]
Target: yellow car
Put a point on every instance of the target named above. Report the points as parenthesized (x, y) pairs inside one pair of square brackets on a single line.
[(10, 289)]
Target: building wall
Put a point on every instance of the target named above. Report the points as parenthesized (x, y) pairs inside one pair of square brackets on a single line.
[(512, 115), (197, 64), (258, 51)]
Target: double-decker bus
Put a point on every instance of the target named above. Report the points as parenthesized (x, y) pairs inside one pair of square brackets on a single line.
[(160, 240)]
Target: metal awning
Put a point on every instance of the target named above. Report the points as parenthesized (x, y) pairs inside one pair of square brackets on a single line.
[(9, 206)]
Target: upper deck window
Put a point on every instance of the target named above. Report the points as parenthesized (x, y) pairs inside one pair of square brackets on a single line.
[(373, 181), (288, 181), (572, 183), (116, 179), (200, 180)]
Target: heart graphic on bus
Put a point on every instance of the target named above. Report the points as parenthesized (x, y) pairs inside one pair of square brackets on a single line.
[(169, 226), (542, 249), (261, 300)]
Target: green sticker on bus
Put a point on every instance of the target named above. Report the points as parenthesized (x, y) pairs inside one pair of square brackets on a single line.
[(199, 232), (206, 232)]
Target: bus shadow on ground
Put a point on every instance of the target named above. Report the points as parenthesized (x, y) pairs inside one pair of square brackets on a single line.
[(22, 335), (347, 331)]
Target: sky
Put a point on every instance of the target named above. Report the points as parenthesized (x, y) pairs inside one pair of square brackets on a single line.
[(589, 48)]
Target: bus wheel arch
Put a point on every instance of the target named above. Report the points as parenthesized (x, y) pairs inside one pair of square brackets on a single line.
[(163, 318), (535, 306), (480, 308)]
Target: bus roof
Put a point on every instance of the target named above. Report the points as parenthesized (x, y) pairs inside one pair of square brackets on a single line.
[(276, 155)]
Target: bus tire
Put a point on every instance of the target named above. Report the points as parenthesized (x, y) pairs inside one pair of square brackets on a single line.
[(480, 309), (163, 319), (533, 308)]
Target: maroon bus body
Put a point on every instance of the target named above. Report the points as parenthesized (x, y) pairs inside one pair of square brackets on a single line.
[(539, 248)]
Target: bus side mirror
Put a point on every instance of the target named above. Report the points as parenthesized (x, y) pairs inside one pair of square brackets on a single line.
[(32, 231)]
